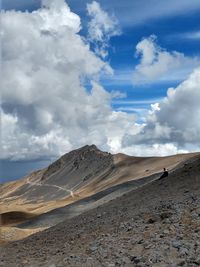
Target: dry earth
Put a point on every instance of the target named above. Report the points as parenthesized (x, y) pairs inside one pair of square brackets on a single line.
[(145, 223), (76, 175), (86, 177)]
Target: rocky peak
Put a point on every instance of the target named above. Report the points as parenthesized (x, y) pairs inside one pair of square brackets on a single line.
[(87, 148), (84, 155)]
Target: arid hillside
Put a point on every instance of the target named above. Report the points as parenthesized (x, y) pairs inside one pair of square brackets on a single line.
[(79, 181), (157, 223), (76, 175)]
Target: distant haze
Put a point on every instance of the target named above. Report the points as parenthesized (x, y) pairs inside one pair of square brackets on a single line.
[(13, 170)]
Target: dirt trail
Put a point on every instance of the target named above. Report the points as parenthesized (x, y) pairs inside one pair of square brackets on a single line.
[(50, 185)]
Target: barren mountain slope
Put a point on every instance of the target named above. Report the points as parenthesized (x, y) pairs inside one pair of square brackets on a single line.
[(76, 175), (41, 190), (155, 225), (58, 215), (79, 181)]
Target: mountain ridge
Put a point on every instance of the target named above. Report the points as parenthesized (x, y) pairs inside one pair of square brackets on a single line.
[(86, 176)]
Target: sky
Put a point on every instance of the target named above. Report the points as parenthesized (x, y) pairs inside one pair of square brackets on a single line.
[(124, 75)]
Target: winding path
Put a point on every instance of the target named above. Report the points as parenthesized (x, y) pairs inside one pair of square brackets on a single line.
[(56, 186)]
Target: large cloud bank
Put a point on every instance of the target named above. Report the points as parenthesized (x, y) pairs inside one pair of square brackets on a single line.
[(174, 123), (46, 110)]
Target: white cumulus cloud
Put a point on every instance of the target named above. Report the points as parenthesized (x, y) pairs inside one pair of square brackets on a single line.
[(101, 28), (157, 64), (46, 110), (180, 111), (173, 123)]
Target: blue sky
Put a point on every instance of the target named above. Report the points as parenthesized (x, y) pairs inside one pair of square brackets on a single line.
[(168, 26), (158, 48)]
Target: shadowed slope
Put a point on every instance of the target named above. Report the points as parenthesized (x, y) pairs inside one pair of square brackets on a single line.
[(58, 215), (14, 217)]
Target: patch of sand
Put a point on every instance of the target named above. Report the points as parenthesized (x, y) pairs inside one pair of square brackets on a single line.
[(9, 234)]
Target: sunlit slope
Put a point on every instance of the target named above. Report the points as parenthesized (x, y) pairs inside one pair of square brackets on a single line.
[(76, 175)]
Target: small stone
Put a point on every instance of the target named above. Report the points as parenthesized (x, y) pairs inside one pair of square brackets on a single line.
[(167, 221), (148, 246), (93, 248), (197, 261), (151, 220), (176, 244), (181, 262), (135, 259), (184, 251), (165, 215), (166, 232)]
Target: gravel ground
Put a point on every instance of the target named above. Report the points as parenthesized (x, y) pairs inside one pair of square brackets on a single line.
[(156, 225)]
